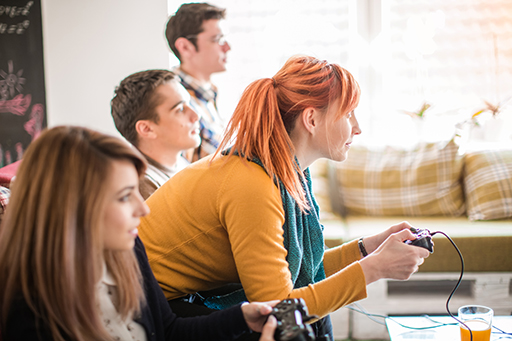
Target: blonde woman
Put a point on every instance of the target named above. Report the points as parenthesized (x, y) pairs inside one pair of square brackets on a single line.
[(71, 265)]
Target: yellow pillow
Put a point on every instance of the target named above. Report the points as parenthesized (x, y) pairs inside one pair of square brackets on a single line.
[(425, 181), (488, 184)]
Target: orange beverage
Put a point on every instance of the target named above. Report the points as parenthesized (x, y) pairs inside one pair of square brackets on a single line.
[(480, 329)]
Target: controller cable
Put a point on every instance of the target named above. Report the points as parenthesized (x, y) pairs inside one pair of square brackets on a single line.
[(458, 282), (361, 310)]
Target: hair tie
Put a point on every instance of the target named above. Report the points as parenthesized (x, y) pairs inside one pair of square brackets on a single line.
[(274, 82)]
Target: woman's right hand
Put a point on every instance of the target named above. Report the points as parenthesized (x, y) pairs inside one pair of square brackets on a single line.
[(393, 258), (267, 334)]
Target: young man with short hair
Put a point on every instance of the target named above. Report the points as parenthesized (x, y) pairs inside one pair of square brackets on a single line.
[(195, 37), (151, 109)]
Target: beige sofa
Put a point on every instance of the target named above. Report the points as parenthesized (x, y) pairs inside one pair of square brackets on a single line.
[(468, 197)]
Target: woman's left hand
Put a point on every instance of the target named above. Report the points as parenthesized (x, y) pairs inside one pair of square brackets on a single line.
[(256, 313), (371, 243)]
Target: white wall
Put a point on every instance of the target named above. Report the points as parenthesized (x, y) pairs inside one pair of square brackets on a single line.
[(90, 46)]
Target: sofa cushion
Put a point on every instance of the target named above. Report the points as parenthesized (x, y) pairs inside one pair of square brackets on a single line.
[(488, 184), (7, 173), (425, 181)]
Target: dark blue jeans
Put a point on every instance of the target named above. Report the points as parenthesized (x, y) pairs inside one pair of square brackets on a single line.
[(323, 327)]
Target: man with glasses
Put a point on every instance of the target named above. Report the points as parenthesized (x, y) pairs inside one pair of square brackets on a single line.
[(194, 35)]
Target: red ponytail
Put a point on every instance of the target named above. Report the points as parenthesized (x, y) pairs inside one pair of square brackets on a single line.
[(269, 107)]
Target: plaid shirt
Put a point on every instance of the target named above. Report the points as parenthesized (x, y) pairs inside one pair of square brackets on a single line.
[(5, 193), (203, 101)]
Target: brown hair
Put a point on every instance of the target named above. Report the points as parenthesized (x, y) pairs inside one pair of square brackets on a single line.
[(136, 99), (51, 248), (188, 21), (269, 107)]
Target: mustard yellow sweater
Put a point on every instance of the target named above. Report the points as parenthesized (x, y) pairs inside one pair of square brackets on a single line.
[(219, 223)]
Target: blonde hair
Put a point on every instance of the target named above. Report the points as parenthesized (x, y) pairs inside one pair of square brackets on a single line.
[(51, 249), (269, 107)]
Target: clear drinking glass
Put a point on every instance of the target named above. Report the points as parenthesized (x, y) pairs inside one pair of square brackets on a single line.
[(479, 320)]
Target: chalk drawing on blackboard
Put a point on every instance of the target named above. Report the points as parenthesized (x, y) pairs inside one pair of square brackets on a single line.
[(19, 150), (17, 106), (11, 81), (34, 125), (13, 101), (22, 93)]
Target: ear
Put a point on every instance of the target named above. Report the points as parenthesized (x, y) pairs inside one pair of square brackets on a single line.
[(144, 129), (184, 46), (310, 119)]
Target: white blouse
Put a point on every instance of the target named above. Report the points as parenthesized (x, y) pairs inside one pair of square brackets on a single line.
[(108, 298)]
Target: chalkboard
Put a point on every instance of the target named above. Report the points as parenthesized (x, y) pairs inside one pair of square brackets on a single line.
[(22, 91)]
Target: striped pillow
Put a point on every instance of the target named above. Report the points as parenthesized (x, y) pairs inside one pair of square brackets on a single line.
[(488, 184), (425, 181)]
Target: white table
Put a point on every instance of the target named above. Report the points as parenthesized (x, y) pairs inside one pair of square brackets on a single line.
[(450, 332)]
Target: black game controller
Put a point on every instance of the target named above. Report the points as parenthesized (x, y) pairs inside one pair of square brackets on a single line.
[(423, 239), (291, 316)]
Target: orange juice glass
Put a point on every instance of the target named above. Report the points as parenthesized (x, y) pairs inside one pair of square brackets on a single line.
[(479, 320)]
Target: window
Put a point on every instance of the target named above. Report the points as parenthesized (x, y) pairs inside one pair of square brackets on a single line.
[(451, 54)]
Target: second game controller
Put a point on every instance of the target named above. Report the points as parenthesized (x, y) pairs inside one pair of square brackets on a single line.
[(423, 239), (291, 316)]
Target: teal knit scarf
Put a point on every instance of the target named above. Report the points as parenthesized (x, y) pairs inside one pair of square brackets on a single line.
[(303, 239)]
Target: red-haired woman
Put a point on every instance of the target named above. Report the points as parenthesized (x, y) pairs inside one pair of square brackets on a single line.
[(68, 266), (247, 215)]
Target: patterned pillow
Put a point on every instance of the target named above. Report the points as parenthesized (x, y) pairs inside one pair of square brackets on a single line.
[(488, 184), (425, 181), (5, 194)]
